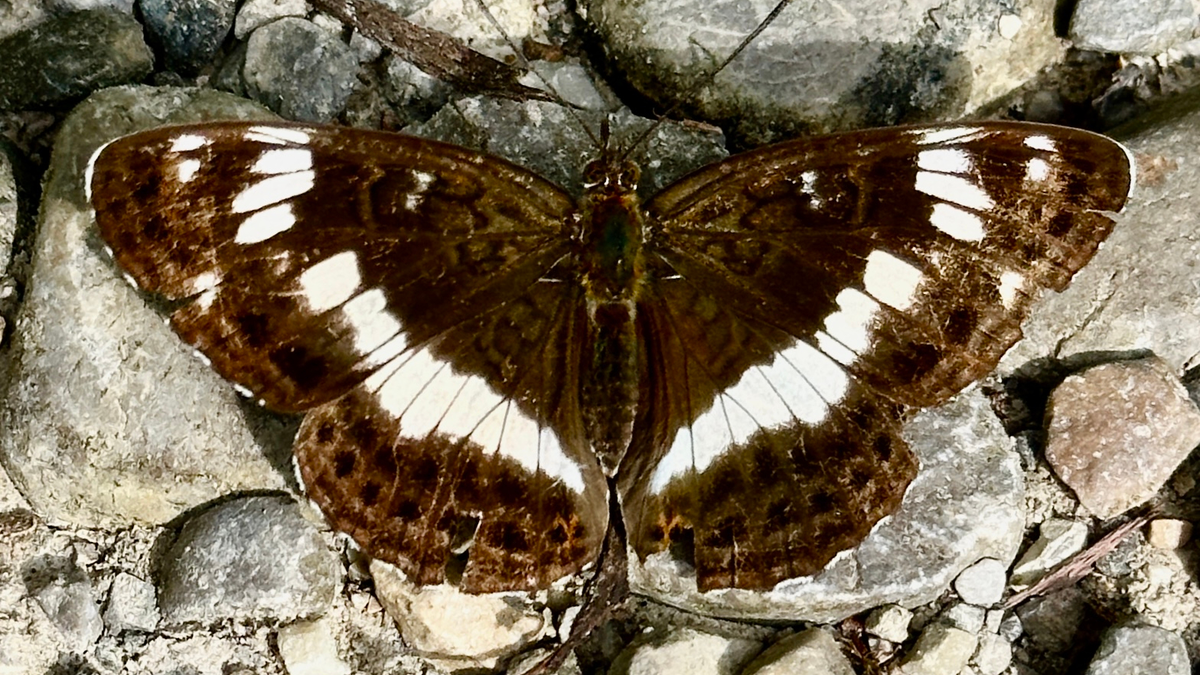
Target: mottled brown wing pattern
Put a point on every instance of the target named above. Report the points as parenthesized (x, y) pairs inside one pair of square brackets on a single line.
[(852, 277), (400, 306)]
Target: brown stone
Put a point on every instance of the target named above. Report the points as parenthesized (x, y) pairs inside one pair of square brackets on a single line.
[(1116, 433)]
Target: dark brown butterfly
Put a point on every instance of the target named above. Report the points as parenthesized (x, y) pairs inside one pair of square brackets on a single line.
[(486, 362)]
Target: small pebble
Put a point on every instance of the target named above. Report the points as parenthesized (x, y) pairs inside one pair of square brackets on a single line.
[(1168, 533), (982, 583)]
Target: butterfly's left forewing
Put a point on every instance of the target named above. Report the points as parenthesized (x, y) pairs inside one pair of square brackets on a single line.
[(809, 293), (391, 287)]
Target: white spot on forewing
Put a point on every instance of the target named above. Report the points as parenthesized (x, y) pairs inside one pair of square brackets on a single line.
[(371, 322), (944, 160), (188, 142), (204, 281), (1040, 142), (188, 169), (262, 225), (955, 189), (958, 223), (272, 190), (891, 280), (425, 412), (1036, 170), (330, 282), (938, 135), (555, 463), (277, 135), (283, 160), (387, 351), (397, 384), (473, 402), (1011, 283), (851, 324)]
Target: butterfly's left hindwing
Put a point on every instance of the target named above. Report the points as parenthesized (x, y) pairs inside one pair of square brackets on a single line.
[(387, 285)]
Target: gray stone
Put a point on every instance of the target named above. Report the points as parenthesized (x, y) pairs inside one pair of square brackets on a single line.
[(982, 583), (189, 32), (64, 592), (67, 6), (993, 656), (1117, 432), (75, 54), (965, 504), (964, 617), (685, 652), (457, 630), (810, 652), (145, 430), (132, 605), (1140, 650), (1051, 623), (299, 71), (1058, 540), (1131, 26), (889, 622), (940, 650), (824, 66), (308, 648), (254, 558), (256, 13)]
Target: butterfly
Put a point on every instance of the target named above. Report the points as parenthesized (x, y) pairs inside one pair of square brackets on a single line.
[(492, 369)]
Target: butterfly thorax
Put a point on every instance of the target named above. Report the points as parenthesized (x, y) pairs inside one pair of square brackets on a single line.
[(610, 257)]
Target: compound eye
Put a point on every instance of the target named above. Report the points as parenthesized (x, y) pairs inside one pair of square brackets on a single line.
[(628, 178), (593, 173)]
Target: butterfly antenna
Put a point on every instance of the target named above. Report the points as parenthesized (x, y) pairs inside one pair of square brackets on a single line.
[(775, 12), (528, 66)]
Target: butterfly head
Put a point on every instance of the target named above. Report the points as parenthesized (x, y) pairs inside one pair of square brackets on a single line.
[(611, 174)]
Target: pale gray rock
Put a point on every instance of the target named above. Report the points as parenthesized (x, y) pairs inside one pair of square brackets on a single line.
[(249, 558), (1116, 433), (1058, 540), (809, 652), (982, 583), (299, 70), (1169, 533), (256, 13), (132, 605), (823, 66), (108, 417), (685, 651), (965, 617), (65, 6), (1131, 26), (993, 656), (965, 504), (940, 650), (457, 630), (188, 32), (309, 648), (1140, 650), (64, 592), (889, 622)]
